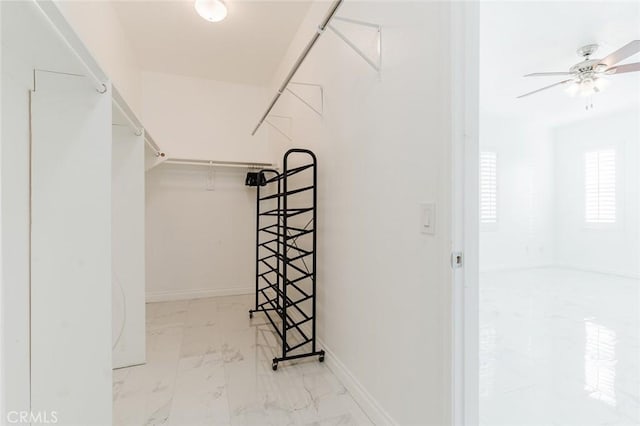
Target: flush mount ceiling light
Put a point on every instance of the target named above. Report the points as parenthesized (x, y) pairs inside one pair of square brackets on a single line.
[(211, 10), (586, 77)]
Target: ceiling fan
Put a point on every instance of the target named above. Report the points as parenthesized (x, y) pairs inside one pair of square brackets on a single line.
[(586, 76)]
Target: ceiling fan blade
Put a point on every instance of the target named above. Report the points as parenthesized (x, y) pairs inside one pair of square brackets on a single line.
[(544, 74), (623, 53), (545, 88), (624, 68)]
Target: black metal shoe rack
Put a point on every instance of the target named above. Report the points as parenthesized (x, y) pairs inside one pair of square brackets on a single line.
[(286, 254)]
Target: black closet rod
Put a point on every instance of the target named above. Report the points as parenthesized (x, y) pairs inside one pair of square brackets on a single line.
[(299, 61)]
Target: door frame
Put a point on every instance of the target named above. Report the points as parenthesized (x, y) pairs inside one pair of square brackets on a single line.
[(465, 85)]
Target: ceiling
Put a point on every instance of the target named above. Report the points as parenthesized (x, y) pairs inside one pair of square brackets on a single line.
[(517, 38), (247, 47)]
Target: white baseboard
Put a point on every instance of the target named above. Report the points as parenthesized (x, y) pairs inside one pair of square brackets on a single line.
[(168, 296), (506, 268), (599, 271), (564, 266), (365, 400)]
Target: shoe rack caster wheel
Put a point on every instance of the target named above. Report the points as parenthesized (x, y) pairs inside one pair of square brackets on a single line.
[(250, 314), (321, 358), (274, 365)]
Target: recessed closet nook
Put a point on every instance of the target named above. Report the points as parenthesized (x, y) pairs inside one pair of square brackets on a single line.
[(226, 213)]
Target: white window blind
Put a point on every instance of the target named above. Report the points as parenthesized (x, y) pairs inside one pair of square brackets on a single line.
[(600, 186), (488, 187)]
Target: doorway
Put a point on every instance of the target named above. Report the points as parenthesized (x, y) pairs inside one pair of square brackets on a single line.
[(557, 234)]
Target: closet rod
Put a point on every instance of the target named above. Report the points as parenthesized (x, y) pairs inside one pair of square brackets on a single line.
[(133, 126), (124, 109), (217, 163), (332, 11), (153, 145), (53, 16)]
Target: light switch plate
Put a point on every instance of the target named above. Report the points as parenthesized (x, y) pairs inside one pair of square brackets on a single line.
[(428, 218)]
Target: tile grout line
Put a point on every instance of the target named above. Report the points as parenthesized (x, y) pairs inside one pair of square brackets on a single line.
[(177, 368), (224, 365)]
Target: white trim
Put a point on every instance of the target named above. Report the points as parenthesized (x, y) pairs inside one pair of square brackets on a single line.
[(595, 270), (169, 296), (363, 398), (3, 384), (464, 63), (565, 266), (507, 268)]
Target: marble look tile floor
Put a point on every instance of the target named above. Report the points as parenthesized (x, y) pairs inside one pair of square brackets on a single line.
[(208, 364), (559, 347)]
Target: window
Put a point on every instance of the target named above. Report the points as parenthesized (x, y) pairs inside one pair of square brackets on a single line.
[(488, 188), (600, 186)]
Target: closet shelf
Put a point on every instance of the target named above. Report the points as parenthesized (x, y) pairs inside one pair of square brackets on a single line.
[(284, 194), (299, 231), (288, 246), (290, 323), (217, 163), (288, 258), (290, 236), (375, 63), (290, 301), (292, 282), (276, 326), (286, 212), (276, 271), (288, 173)]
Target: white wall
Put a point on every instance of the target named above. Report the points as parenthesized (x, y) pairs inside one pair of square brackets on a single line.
[(523, 234), (15, 230), (189, 118), (97, 24), (70, 290), (28, 43), (200, 242), (2, 367), (607, 248), (128, 246), (383, 147), (541, 195), (203, 119)]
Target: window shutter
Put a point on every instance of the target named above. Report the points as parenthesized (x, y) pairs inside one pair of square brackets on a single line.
[(600, 186), (488, 188)]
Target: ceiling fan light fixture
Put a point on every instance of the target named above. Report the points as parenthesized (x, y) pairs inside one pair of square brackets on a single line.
[(211, 10), (588, 87), (586, 77), (573, 89)]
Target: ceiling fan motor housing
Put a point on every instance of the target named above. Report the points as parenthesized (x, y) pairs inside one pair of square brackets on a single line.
[(588, 68)]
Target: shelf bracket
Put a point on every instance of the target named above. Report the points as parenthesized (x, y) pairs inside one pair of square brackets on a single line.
[(211, 177), (375, 64), (279, 130), (307, 103)]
